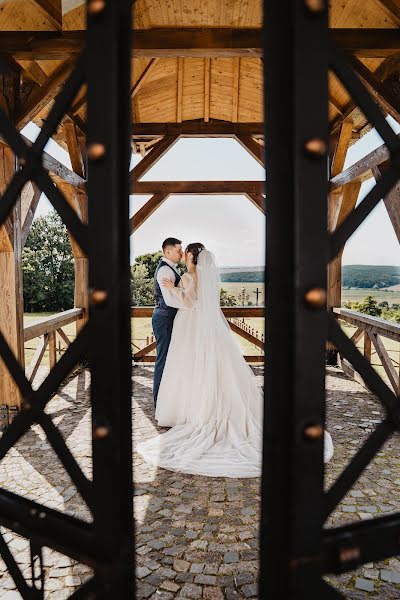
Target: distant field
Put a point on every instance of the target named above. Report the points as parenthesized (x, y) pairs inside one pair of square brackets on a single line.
[(391, 296), (235, 288)]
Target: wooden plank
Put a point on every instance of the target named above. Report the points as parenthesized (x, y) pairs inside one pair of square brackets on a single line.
[(391, 8), (357, 335), (37, 358), (392, 200), (374, 324), (34, 71), (342, 147), (258, 200), (199, 187), (235, 89), (81, 290), (41, 96), (140, 353), (367, 347), (152, 157), (146, 211), (386, 361), (49, 324), (51, 10), (257, 151), (144, 312), (52, 349), (144, 76), (384, 97), (258, 358), (197, 129), (33, 204), (362, 168), (189, 42), (207, 87), (179, 91), (64, 337), (74, 150)]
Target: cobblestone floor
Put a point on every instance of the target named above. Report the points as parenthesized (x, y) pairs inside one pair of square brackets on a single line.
[(197, 537)]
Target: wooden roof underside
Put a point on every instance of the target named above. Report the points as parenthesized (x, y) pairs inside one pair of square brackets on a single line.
[(185, 88)]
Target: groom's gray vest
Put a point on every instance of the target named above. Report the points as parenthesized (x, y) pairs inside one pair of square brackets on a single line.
[(161, 307)]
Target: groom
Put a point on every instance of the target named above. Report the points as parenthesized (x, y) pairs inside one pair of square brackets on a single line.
[(164, 315)]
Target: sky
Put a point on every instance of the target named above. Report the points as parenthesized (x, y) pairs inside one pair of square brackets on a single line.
[(231, 226)]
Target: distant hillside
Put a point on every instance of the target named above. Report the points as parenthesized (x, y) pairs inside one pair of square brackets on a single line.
[(242, 274), (370, 276)]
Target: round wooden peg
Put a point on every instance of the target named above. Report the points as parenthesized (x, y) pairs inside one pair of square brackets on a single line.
[(313, 432), (96, 6), (315, 147), (315, 6), (316, 297), (96, 151), (97, 296), (100, 432)]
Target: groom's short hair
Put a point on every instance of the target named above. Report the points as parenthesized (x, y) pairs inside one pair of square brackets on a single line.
[(170, 242)]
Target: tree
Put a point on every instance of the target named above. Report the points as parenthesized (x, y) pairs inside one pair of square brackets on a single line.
[(142, 289), (150, 261), (48, 266), (227, 299), (369, 306)]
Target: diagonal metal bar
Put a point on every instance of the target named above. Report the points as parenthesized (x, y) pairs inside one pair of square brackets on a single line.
[(360, 94), (27, 592), (357, 216), (357, 465), (51, 528), (82, 483), (359, 362), (39, 398), (62, 103)]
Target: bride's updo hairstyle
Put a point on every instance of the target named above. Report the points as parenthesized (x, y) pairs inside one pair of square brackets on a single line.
[(195, 250)]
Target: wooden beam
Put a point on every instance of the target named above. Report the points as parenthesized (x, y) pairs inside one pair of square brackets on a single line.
[(207, 87), (391, 8), (41, 96), (200, 187), (30, 212), (247, 336), (386, 361), (152, 157), (179, 91), (197, 129), (146, 211), (388, 101), (74, 150), (144, 312), (362, 169), (235, 89), (258, 200), (188, 42), (256, 150), (144, 76), (392, 200), (34, 71), (342, 147), (51, 10)]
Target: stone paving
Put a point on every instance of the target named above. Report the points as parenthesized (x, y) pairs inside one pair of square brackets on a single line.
[(197, 537)]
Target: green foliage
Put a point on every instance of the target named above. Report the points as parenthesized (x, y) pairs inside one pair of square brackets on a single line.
[(368, 306), (142, 287), (150, 261), (243, 276), (227, 299), (48, 266), (369, 276)]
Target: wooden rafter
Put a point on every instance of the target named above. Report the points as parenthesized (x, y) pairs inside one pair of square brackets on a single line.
[(179, 91), (34, 71), (253, 148), (388, 101), (342, 147), (392, 200), (41, 96), (146, 211), (152, 157), (391, 8), (199, 187), (197, 129), (74, 149), (33, 201), (51, 10), (189, 42), (143, 76), (207, 88), (258, 200)]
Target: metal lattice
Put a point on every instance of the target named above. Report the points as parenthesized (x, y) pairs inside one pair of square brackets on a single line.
[(106, 543), (296, 549)]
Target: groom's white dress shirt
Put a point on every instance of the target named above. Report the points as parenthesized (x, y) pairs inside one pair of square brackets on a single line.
[(172, 297)]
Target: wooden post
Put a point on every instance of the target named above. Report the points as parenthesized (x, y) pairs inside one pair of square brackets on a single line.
[(11, 295), (52, 349)]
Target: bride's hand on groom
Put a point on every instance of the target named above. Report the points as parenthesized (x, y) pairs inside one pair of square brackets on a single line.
[(168, 283)]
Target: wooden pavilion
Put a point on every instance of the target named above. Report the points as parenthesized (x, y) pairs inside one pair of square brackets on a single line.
[(197, 71)]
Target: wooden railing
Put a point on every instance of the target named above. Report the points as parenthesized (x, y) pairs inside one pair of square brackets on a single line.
[(235, 316), (372, 330), (47, 329)]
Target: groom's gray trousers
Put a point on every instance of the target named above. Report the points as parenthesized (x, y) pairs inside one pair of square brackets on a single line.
[(163, 321)]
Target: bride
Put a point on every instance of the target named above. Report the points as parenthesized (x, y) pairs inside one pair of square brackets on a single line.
[(208, 394)]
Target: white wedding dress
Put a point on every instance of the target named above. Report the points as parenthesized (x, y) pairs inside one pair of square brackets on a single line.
[(208, 393)]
